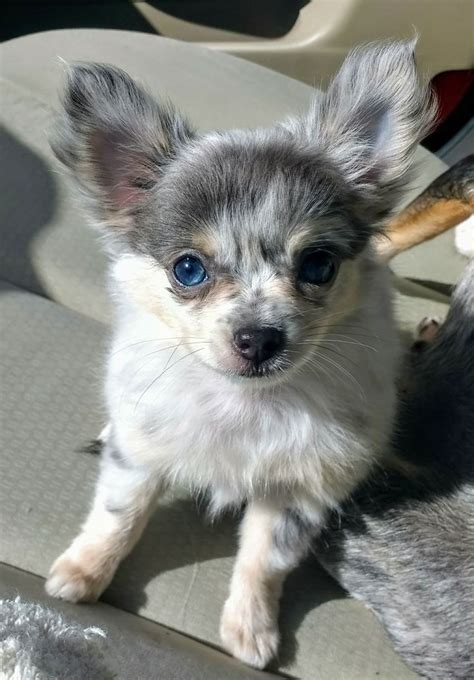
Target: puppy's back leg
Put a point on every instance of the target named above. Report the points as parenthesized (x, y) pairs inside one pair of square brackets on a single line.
[(447, 202), (124, 498)]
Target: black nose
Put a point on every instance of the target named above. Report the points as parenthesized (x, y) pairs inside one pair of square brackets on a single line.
[(258, 344)]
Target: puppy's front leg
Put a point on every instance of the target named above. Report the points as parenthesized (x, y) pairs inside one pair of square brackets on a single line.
[(124, 499), (273, 541)]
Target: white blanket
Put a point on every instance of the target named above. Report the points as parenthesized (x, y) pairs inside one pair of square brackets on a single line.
[(37, 643)]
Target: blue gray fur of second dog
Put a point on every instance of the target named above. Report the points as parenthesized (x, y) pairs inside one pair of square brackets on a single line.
[(404, 543)]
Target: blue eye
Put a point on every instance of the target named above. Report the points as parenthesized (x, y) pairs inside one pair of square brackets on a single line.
[(317, 268), (189, 271)]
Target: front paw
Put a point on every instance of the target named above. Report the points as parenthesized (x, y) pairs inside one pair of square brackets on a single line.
[(77, 579), (249, 631), (427, 329)]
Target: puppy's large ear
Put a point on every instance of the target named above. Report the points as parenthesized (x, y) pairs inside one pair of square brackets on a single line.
[(369, 121), (115, 139)]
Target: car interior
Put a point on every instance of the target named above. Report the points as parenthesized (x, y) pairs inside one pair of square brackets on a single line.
[(225, 65)]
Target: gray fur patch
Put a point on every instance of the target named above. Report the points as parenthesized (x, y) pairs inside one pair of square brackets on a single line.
[(252, 191), (113, 453), (335, 172), (293, 532), (405, 543), (113, 509), (93, 447)]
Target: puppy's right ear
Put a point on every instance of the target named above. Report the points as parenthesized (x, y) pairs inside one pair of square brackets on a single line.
[(115, 139)]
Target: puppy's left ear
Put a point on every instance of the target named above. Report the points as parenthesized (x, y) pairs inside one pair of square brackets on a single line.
[(370, 120)]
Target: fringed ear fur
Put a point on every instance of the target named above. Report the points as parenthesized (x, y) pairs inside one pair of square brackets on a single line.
[(115, 139), (370, 120)]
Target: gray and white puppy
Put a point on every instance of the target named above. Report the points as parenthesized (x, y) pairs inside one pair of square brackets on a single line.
[(404, 543), (254, 353)]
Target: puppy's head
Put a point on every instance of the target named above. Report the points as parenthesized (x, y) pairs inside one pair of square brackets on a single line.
[(246, 244)]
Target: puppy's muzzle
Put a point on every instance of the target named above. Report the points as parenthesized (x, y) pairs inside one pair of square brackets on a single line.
[(258, 345)]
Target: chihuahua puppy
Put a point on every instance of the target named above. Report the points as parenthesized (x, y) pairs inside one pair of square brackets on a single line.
[(254, 353)]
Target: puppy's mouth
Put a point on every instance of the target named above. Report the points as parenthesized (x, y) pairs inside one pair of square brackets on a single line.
[(236, 368), (265, 370)]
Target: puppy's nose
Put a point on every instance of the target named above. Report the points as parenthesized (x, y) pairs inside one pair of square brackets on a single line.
[(258, 344)]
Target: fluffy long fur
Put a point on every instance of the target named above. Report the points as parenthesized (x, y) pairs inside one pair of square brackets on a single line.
[(37, 643), (389, 112), (293, 438), (404, 543)]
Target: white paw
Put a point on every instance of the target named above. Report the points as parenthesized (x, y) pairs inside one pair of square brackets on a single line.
[(464, 237), (427, 329), (74, 580), (249, 632)]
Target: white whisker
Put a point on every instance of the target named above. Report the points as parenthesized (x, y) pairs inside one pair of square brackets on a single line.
[(167, 368)]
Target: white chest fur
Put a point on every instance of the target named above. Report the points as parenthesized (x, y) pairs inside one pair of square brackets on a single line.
[(315, 434)]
